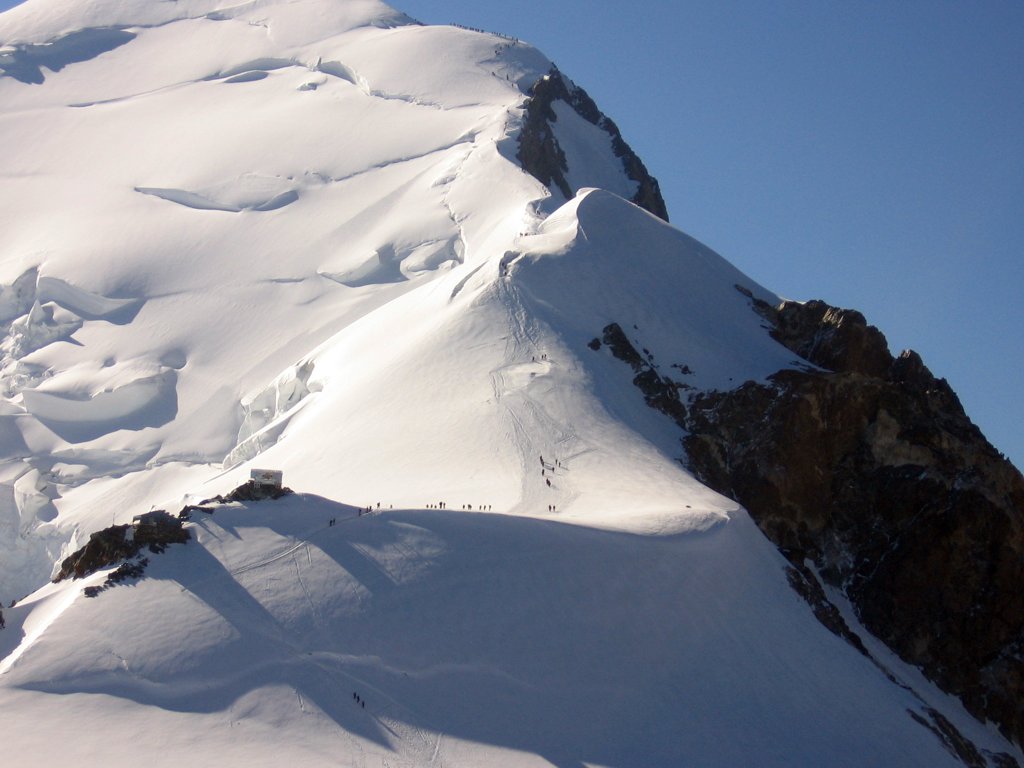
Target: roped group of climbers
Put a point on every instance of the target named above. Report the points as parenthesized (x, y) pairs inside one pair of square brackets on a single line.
[(547, 471)]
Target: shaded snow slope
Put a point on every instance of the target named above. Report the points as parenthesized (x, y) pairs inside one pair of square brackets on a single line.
[(472, 639)]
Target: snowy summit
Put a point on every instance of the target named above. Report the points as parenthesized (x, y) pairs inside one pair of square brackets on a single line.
[(298, 236)]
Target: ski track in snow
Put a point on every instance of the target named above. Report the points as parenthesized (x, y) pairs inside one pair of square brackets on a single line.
[(57, 604), (533, 431), (298, 577)]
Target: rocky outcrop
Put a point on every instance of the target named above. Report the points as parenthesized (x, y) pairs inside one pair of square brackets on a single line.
[(805, 584), (660, 392), (867, 468), (833, 338), (249, 491), (543, 158), (119, 543), (872, 470)]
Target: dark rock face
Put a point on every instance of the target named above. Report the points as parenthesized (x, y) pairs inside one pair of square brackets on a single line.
[(806, 585), (542, 157), (153, 531), (119, 543), (837, 339), (248, 491), (873, 471), (660, 392), (954, 742)]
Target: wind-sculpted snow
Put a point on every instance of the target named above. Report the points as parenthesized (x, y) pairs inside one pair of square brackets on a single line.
[(42, 20), (386, 266), (17, 298), (25, 62), (343, 72), (267, 413), (43, 310), (85, 304), (247, 77), (264, 66), (248, 193), (149, 402), (674, 293), (239, 259)]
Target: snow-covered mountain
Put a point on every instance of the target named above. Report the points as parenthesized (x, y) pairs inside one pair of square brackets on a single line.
[(298, 234)]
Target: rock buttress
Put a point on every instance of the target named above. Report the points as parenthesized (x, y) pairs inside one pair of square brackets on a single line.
[(872, 470), (542, 157)]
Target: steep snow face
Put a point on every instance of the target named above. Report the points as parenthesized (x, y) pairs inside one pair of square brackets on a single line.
[(585, 144), (677, 296), (496, 373)]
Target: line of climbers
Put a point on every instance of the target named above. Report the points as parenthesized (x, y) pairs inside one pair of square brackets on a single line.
[(546, 467)]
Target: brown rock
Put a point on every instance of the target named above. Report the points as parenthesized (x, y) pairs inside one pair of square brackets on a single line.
[(542, 157), (875, 473)]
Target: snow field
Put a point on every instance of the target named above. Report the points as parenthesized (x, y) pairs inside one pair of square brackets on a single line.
[(274, 287), (474, 639)]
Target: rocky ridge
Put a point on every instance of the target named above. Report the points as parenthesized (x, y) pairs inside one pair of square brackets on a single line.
[(119, 544), (542, 157), (864, 469), (154, 531), (870, 468)]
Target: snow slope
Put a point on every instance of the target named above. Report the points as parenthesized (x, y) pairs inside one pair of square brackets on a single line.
[(293, 234), (290, 246), (473, 639)]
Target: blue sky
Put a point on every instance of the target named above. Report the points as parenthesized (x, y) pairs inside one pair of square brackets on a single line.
[(864, 152)]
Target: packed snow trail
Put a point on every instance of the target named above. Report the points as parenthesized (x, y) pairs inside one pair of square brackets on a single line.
[(530, 427), (303, 540)]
